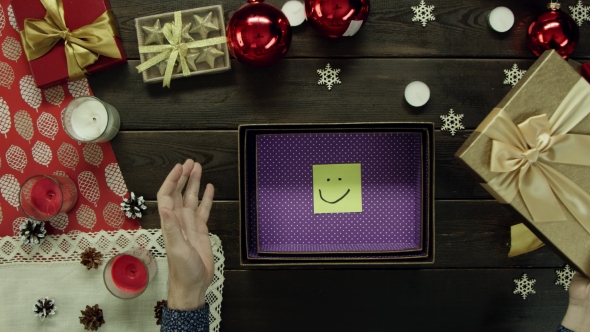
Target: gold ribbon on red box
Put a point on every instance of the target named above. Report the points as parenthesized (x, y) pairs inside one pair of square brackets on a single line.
[(83, 46)]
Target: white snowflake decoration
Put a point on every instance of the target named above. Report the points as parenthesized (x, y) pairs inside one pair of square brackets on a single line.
[(513, 75), (564, 277), (580, 13), (329, 76), (423, 13), (452, 122), (524, 286)]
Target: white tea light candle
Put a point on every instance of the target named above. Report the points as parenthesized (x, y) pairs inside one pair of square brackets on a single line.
[(88, 119), (295, 12), (501, 19), (417, 93)]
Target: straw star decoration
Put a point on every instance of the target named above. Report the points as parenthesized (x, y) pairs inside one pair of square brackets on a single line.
[(524, 286), (564, 276), (154, 34), (204, 25), (209, 54)]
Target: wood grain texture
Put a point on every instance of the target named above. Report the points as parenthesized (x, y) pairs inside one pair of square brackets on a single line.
[(460, 29), (372, 90), (151, 155), (469, 234), (408, 300)]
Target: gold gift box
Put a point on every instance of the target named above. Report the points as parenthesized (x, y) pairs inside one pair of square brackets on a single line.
[(541, 91), (222, 63)]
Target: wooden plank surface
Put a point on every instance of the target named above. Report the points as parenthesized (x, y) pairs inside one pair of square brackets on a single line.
[(460, 29)]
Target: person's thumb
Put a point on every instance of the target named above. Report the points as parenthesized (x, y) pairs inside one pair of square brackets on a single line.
[(171, 228)]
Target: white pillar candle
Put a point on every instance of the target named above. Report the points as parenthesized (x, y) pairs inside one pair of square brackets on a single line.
[(417, 93), (501, 19), (295, 12), (88, 119)]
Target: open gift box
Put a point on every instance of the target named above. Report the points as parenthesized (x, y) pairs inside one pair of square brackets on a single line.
[(531, 152), (336, 194)]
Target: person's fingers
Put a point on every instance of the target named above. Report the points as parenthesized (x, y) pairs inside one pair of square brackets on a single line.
[(169, 185), (206, 203), (186, 170), (191, 195), (173, 237)]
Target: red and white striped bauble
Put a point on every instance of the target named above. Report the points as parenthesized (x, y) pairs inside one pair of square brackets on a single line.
[(47, 125), (88, 186), (86, 216), (11, 48), (11, 18), (79, 88), (6, 75), (42, 153), (24, 125), (5, 121), (59, 221), (92, 154), (115, 179), (113, 215), (2, 20), (68, 155), (55, 95), (16, 158), (16, 225), (30, 92), (10, 188)]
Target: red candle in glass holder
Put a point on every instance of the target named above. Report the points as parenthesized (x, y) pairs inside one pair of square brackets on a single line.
[(129, 274), (44, 196)]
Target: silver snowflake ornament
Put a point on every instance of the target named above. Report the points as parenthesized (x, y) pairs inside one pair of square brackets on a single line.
[(452, 122), (329, 76), (564, 277), (580, 13), (524, 286), (513, 75), (423, 13)]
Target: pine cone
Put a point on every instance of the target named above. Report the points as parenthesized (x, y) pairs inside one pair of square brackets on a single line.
[(133, 206), (92, 318), (91, 258), (44, 307), (158, 311), (32, 231)]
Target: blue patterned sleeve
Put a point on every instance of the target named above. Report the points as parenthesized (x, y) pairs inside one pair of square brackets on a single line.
[(561, 328), (181, 321)]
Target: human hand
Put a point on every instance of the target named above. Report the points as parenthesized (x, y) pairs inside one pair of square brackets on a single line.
[(577, 317), (186, 236)]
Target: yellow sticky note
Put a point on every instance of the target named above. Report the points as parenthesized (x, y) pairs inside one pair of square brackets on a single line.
[(337, 188)]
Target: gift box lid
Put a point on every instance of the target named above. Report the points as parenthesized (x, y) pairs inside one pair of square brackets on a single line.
[(542, 90)]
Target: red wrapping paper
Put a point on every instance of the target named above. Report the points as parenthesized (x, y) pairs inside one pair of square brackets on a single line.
[(51, 69), (33, 141)]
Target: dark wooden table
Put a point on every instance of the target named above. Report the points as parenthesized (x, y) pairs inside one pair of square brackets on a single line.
[(469, 288)]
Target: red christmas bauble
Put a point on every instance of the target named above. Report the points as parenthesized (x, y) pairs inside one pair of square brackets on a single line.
[(258, 34), (553, 29), (337, 18)]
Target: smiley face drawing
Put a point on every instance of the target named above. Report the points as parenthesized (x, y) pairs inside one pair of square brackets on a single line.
[(337, 188)]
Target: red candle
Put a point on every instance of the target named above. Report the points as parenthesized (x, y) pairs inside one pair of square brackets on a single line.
[(46, 197), (129, 274)]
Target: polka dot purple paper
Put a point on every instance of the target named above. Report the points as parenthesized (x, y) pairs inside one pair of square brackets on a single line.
[(391, 180)]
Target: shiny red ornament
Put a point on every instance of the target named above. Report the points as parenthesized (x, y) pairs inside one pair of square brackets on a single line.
[(337, 18), (553, 29), (258, 34)]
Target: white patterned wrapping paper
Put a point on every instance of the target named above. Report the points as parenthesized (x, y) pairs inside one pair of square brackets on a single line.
[(53, 269)]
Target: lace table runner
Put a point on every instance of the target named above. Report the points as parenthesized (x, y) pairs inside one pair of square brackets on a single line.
[(53, 269)]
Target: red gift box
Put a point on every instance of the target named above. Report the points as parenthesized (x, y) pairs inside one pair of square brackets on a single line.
[(51, 69)]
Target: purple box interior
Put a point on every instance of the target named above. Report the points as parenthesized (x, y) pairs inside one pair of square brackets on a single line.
[(392, 196)]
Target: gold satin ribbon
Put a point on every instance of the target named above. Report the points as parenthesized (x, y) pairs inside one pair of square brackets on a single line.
[(82, 46), (519, 154), (522, 240), (177, 49)]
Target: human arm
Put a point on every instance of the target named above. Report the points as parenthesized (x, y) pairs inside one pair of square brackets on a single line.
[(186, 237), (577, 317)]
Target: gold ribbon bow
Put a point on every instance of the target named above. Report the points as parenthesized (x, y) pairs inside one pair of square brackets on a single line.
[(521, 155), (177, 49), (82, 46)]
